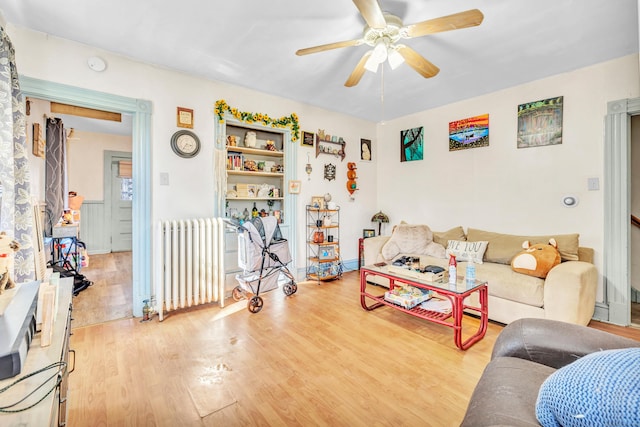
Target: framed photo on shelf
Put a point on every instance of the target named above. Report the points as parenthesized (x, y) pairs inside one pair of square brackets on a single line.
[(317, 202), (294, 186), (368, 232), (326, 252), (185, 118), (307, 139)]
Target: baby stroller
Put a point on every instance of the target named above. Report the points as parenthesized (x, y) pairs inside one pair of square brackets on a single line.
[(263, 254)]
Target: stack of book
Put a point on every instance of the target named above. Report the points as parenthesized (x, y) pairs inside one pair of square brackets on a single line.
[(407, 296)]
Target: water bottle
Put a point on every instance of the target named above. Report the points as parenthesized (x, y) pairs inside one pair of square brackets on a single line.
[(452, 269), (471, 271)]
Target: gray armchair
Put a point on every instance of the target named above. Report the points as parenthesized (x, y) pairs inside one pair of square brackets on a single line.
[(525, 354)]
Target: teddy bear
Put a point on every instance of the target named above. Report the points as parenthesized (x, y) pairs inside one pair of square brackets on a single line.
[(6, 245), (536, 260)]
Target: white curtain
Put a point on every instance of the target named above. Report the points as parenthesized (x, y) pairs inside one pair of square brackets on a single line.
[(16, 214)]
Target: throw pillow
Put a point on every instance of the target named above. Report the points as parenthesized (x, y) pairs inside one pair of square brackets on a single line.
[(503, 247), (536, 260), (412, 239), (443, 237), (600, 389), (467, 251)]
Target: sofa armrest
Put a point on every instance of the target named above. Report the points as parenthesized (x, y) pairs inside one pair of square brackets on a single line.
[(570, 292), (373, 249), (554, 343)]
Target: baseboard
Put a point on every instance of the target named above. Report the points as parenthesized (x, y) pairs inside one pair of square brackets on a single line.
[(601, 312)]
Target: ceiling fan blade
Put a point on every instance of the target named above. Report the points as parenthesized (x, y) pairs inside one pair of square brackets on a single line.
[(417, 62), (329, 46), (357, 72), (470, 18), (371, 12)]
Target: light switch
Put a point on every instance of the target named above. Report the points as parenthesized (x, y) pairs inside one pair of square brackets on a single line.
[(164, 178), (593, 184)]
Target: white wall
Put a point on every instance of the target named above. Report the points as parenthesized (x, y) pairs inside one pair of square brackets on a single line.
[(191, 189), (86, 161), (500, 187)]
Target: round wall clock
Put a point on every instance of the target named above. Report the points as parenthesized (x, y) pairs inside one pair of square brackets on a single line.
[(185, 143)]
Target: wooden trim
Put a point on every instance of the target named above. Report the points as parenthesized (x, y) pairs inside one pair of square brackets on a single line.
[(73, 110)]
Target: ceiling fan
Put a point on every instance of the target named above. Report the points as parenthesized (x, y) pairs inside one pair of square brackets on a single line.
[(384, 30)]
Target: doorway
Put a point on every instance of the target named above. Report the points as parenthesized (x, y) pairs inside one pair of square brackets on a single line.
[(118, 190), (635, 220), (617, 271), (140, 111)]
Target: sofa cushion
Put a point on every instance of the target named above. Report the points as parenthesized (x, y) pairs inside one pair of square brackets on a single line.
[(503, 247), (505, 283), (600, 389), (502, 281), (467, 251), (506, 393), (443, 237), (410, 238)]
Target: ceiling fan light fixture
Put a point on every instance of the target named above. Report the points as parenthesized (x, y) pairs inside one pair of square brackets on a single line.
[(380, 51), (395, 59), (372, 64)]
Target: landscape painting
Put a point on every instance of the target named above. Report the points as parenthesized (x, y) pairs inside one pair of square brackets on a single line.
[(411, 144), (469, 133), (540, 123)]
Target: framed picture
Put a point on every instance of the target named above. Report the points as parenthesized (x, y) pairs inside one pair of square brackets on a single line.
[(540, 123), (326, 252), (411, 144), (365, 150), (185, 118), (294, 186), (368, 232), (317, 202), (307, 139), (469, 133)]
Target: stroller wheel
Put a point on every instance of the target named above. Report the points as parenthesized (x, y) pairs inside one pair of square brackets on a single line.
[(237, 293), (255, 304), (290, 288)]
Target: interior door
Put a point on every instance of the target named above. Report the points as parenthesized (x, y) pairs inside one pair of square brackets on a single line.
[(121, 208)]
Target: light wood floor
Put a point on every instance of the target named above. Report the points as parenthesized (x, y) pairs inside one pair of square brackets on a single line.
[(315, 358), (110, 296)]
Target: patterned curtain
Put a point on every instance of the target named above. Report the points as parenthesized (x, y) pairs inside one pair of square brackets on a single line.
[(55, 174), (16, 214)]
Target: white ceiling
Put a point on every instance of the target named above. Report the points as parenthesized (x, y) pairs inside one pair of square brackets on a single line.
[(252, 43)]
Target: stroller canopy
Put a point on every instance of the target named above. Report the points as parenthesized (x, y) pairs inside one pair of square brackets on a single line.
[(264, 228)]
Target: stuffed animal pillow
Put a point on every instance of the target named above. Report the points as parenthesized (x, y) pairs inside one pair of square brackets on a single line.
[(536, 260), (412, 239)]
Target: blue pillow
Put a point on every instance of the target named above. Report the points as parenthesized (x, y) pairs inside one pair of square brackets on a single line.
[(600, 389)]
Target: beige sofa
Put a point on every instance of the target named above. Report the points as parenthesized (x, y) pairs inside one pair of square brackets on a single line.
[(567, 294)]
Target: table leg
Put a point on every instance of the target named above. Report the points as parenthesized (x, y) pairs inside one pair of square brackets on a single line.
[(363, 293), (458, 311)]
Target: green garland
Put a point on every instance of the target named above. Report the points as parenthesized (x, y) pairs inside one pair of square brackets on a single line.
[(283, 122)]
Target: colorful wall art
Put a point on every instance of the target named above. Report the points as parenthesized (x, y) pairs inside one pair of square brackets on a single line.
[(540, 123), (411, 144), (469, 133)]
